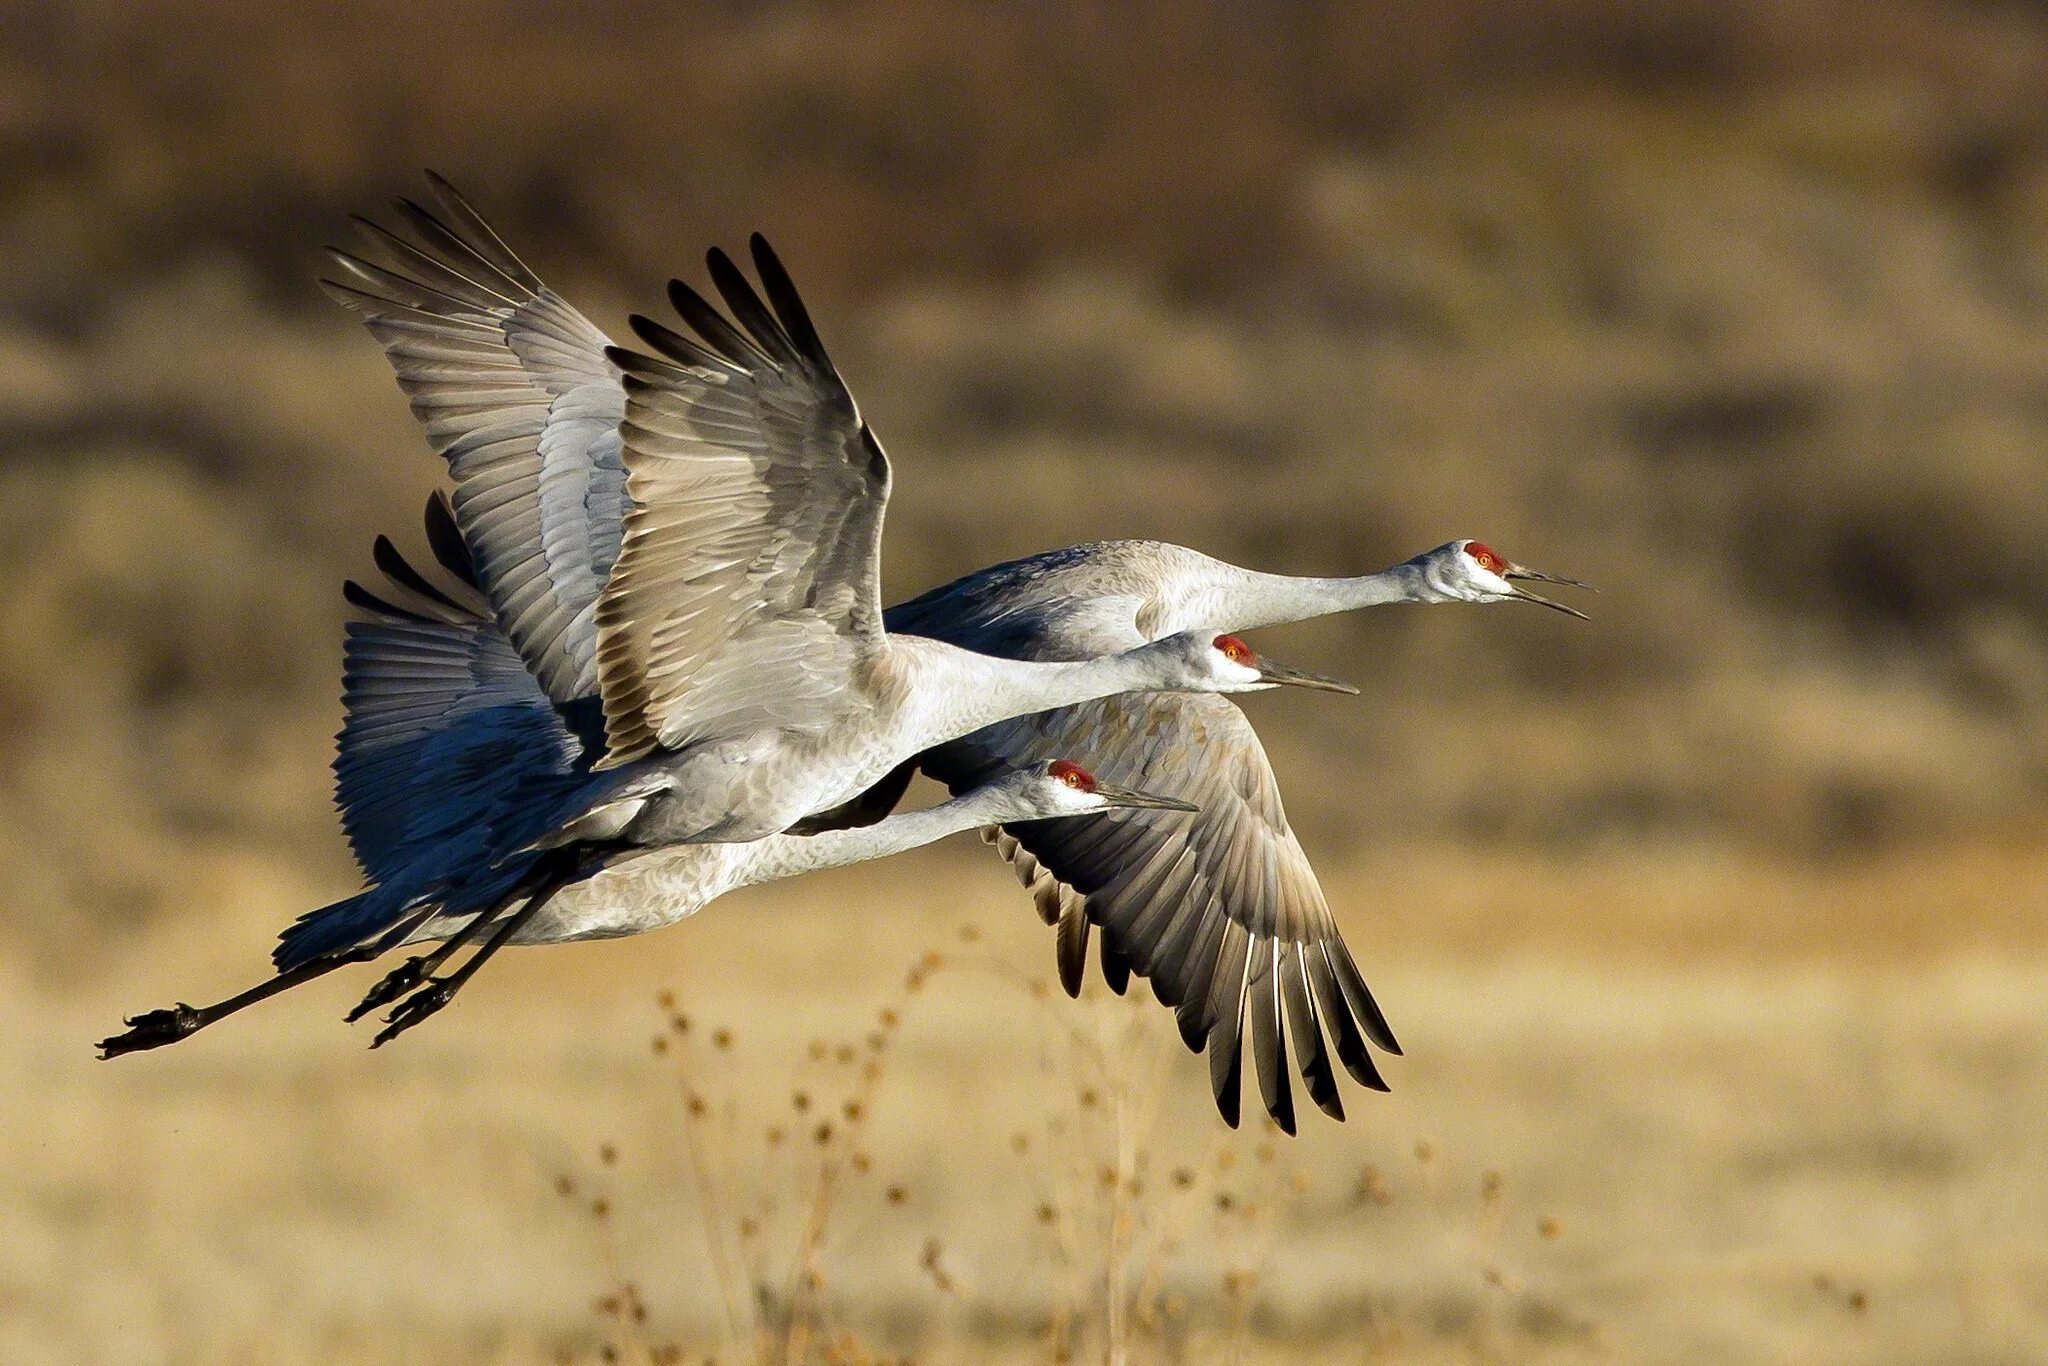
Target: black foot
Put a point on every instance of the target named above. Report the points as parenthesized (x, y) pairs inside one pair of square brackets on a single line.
[(153, 1029), (394, 984), (413, 1009)]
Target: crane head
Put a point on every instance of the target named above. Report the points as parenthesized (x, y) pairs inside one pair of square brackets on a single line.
[(1473, 571), (1064, 788), (1200, 661)]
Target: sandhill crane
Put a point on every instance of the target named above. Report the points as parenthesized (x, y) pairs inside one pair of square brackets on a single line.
[(444, 723), (528, 409), (1219, 908)]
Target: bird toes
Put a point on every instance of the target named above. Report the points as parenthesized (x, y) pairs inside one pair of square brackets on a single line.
[(390, 987), (152, 1029), (413, 1009)]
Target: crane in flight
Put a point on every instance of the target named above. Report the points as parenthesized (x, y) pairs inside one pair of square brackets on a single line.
[(710, 572), (445, 725), (1219, 909)]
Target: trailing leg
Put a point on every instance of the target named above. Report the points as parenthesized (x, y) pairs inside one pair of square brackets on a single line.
[(155, 1028), (416, 969), (437, 992)]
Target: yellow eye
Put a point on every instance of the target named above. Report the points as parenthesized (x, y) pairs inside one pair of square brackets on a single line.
[(1073, 775), (1234, 650)]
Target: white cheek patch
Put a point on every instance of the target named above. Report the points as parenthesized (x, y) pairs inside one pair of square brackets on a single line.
[(1465, 579)]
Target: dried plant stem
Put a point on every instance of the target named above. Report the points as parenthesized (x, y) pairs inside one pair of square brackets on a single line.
[(805, 1273), (1120, 1224), (695, 1116)]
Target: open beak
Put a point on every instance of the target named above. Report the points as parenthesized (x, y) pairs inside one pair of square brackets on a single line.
[(1281, 675), (1516, 571), (1130, 796)]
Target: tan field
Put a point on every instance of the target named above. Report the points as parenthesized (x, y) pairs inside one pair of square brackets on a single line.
[(1715, 930), (1661, 1150)]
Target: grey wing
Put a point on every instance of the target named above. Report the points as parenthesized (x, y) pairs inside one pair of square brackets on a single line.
[(1219, 909), (1069, 604), (514, 389), (747, 588), (446, 733), (452, 761), (1007, 609)]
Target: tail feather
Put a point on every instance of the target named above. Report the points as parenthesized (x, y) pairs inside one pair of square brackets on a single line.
[(339, 927), (380, 917)]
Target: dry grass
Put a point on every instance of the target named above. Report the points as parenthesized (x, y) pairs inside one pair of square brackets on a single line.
[(1597, 1155)]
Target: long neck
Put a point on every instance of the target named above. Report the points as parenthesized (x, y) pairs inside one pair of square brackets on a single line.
[(1248, 599), (985, 689), (780, 856)]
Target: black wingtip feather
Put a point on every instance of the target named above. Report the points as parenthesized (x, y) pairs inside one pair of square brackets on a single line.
[(1116, 968), (1226, 1079), (482, 238), (674, 345), (1269, 1045), (405, 576), (453, 245), (432, 289), (444, 538), (712, 327), (348, 296), (416, 213), (1336, 1016), (638, 371), (1307, 1035), (425, 270), (360, 597), (748, 309), (1370, 1017), (1070, 950), (788, 304)]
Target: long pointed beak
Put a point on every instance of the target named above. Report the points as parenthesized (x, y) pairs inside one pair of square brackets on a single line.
[(1131, 796), (1516, 571), (1283, 676)]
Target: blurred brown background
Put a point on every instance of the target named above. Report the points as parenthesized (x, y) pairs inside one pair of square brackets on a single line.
[(1715, 928)]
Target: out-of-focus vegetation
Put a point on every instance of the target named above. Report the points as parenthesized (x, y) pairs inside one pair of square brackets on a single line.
[(1738, 310), (1604, 1160)]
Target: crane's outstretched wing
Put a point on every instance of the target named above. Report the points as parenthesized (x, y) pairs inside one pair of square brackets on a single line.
[(451, 760), (747, 588), (1219, 908), (513, 387)]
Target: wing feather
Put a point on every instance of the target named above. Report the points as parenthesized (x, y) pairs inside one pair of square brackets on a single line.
[(513, 388), (1070, 950), (1173, 893), (1336, 1011), (444, 723), (746, 589), (1227, 993), (1306, 1030)]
